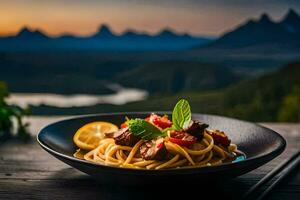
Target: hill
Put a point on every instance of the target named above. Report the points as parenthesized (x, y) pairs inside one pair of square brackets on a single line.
[(267, 98), (262, 35), (176, 76), (272, 97), (103, 40), (89, 73), (61, 73)]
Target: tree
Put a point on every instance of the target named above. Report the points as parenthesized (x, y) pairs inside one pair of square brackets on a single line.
[(8, 113), (290, 109)]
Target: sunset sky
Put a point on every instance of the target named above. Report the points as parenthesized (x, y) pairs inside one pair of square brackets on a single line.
[(202, 17)]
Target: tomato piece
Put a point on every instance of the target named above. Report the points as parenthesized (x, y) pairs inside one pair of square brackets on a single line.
[(161, 122), (182, 138), (124, 125), (220, 138)]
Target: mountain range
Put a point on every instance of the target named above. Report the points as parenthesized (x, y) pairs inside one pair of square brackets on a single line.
[(253, 35), (104, 39), (263, 33)]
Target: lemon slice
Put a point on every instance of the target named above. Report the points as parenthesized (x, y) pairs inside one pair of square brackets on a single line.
[(88, 136)]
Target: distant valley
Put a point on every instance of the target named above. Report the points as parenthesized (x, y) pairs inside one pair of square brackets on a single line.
[(170, 77), (71, 73), (272, 97)]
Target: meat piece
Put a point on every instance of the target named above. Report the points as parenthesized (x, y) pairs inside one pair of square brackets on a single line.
[(182, 138), (154, 150), (123, 137), (220, 138), (196, 129)]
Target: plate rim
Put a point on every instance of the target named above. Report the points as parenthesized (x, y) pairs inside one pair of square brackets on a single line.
[(269, 155)]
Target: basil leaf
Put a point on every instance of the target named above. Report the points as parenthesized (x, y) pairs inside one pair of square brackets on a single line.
[(181, 115), (144, 129)]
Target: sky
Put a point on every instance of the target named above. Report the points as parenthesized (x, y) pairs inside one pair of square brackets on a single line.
[(197, 17)]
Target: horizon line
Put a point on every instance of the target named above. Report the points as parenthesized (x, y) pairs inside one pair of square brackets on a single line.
[(165, 28)]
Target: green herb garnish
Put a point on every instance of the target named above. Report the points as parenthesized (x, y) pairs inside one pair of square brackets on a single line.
[(181, 118), (181, 115), (9, 114), (144, 129)]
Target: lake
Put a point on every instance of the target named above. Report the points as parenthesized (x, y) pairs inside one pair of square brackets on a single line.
[(121, 95)]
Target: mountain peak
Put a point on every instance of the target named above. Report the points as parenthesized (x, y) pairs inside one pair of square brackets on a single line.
[(28, 33), (292, 12), (104, 28), (250, 22), (24, 30), (167, 32), (261, 32), (265, 18), (104, 31), (291, 22), (291, 15)]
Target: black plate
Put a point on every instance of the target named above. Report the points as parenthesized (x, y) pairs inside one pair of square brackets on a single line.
[(260, 145)]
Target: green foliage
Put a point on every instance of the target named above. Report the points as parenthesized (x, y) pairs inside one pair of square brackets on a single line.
[(3, 92), (181, 115), (9, 113), (144, 129), (290, 109), (268, 98)]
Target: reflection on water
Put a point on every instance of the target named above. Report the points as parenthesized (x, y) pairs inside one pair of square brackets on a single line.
[(121, 96)]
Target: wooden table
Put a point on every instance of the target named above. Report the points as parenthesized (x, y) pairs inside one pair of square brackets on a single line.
[(28, 172)]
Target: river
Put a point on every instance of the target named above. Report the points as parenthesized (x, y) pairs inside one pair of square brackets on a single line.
[(120, 96)]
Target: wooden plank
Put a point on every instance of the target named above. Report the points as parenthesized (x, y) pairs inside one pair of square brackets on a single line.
[(90, 189), (27, 171)]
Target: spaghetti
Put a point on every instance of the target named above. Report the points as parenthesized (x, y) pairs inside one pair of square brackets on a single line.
[(155, 143), (203, 153)]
